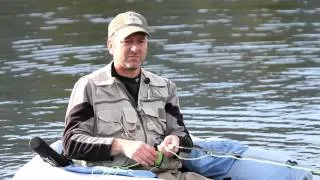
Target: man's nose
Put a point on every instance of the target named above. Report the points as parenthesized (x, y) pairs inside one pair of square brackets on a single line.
[(134, 48)]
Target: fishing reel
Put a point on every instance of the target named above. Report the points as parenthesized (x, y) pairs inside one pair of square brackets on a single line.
[(159, 160)]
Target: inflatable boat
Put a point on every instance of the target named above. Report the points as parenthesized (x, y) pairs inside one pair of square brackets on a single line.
[(218, 159)]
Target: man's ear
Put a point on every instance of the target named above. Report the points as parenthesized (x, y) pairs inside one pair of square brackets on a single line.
[(109, 44)]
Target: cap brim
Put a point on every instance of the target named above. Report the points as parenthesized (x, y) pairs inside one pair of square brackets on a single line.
[(126, 31)]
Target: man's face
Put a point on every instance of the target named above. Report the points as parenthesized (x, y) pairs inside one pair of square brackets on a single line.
[(129, 53)]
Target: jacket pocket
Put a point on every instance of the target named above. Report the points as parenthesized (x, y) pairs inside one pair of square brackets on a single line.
[(109, 122), (155, 122), (130, 119)]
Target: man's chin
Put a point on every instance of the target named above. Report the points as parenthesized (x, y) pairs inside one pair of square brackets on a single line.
[(133, 67)]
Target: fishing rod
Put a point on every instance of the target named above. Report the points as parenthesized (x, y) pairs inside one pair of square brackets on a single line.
[(237, 156)]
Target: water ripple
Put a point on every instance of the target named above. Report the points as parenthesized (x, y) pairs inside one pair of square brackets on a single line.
[(248, 72)]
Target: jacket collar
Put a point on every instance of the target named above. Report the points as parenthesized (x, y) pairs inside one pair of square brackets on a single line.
[(103, 77)]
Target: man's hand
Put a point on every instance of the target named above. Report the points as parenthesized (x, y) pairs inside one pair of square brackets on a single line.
[(139, 151), (171, 143)]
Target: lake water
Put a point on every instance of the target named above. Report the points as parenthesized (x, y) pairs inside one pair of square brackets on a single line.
[(246, 70)]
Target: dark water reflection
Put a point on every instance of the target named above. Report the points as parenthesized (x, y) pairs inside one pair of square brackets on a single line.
[(246, 70)]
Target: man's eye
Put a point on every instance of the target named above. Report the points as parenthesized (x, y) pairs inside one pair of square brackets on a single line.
[(127, 41)]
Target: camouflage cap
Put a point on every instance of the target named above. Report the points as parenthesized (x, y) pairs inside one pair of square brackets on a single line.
[(127, 23)]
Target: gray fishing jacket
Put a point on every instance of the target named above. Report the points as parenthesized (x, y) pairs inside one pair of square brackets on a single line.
[(101, 109)]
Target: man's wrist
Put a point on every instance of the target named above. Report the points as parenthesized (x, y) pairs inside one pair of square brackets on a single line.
[(117, 146)]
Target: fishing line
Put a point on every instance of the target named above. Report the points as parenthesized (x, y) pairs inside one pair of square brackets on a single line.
[(114, 170), (211, 153)]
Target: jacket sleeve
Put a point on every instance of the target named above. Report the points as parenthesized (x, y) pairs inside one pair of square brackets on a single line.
[(175, 124), (78, 136)]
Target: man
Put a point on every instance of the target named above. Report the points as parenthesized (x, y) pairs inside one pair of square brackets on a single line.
[(121, 114)]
